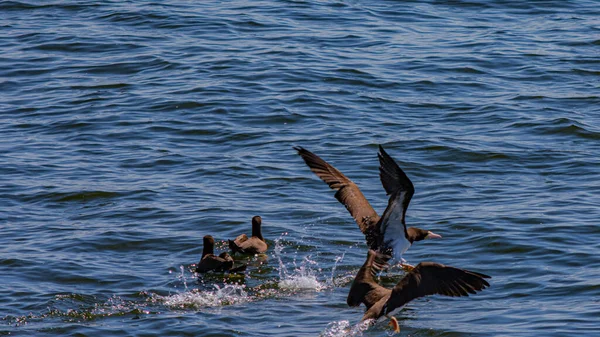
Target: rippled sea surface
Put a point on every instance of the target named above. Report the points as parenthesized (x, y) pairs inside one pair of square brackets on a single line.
[(131, 129)]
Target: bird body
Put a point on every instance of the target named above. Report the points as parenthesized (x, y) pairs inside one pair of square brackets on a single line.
[(254, 245)]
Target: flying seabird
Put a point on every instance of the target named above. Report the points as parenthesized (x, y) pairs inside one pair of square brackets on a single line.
[(253, 245), (427, 278), (387, 234), (211, 262)]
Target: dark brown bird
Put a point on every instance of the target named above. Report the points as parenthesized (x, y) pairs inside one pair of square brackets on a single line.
[(388, 233), (254, 245), (427, 278), (211, 262)]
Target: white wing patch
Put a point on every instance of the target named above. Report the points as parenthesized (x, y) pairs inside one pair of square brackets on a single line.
[(394, 235)]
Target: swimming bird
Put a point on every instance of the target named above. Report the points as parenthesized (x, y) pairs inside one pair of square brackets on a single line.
[(254, 245), (211, 262), (427, 278), (388, 233)]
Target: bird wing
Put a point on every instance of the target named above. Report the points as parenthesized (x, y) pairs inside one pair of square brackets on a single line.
[(429, 278), (241, 239), (392, 177), (347, 193), (253, 245), (212, 262), (400, 189)]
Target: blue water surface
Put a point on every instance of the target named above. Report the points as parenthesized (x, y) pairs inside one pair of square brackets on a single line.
[(131, 129)]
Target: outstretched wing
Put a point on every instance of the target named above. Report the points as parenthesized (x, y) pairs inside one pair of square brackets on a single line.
[(400, 189), (392, 177), (347, 192), (429, 278)]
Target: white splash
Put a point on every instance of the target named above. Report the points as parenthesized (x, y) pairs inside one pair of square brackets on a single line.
[(344, 328), (331, 280), (229, 294), (301, 282), (302, 277), (182, 277)]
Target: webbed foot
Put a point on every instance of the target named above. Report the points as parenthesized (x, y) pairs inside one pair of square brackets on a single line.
[(407, 267), (394, 324)]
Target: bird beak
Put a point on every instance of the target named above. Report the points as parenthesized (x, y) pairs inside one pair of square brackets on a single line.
[(432, 235), (394, 324)]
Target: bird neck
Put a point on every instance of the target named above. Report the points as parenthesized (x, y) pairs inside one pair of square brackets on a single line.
[(256, 232), (207, 250)]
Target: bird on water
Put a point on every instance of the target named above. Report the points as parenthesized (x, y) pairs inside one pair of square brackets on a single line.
[(254, 245), (212, 262)]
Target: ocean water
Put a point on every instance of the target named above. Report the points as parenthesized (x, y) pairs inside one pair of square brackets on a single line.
[(131, 129)]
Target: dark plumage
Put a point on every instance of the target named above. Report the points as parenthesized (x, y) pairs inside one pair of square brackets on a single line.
[(211, 262), (427, 278), (387, 233), (254, 245)]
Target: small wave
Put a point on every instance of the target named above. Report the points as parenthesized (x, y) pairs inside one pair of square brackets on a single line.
[(561, 126), (81, 196)]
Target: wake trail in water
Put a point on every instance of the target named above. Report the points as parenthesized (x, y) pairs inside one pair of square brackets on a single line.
[(303, 276), (194, 294), (227, 295)]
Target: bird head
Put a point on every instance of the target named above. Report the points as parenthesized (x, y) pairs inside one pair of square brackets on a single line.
[(418, 234)]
